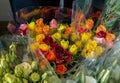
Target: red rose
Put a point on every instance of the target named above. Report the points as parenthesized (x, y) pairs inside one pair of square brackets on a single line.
[(48, 40), (61, 69), (58, 48), (60, 59), (82, 29), (101, 34), (67, 57)]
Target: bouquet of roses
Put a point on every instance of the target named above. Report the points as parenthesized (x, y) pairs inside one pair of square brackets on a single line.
[(103, 70), (66, 46)]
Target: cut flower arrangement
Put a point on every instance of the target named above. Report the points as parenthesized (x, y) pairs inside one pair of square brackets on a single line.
[(66, 46), (76, 52), (26, 71)]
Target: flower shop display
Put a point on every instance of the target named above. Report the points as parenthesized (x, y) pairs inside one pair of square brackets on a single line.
[(56, 50), (104, 69), (69, 46), (66, 46)]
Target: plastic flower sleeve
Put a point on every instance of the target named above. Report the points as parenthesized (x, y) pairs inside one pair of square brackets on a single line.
[(16, 67), (20, 42), (111, 14), (82, 74), (84, 6), (48, 73), (114, 54), (80, 10), (102, 69)]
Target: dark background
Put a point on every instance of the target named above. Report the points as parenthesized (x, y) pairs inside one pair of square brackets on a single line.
[(18, 4)]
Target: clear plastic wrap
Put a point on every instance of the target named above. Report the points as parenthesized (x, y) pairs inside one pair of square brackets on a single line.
[(18, 64)]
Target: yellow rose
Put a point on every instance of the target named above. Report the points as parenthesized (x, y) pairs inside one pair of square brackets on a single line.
[(98, 51), (44, 47), (33, 46), (91, 45), (31, 25), (64, 44), (101, 28), (74, 36), (85, 53), (86, 36), (78, 43), (40, 37), (61, 28), (73, 49), (57, 36), (89, 48)]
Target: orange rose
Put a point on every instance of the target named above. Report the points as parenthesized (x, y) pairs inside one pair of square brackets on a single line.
[(39, 22), (46, 29), (89, 23), (110, 36), (79, 16), (51, 56), (38, 30), (61, 69), (101, 28), (43, 64), (68, 30)]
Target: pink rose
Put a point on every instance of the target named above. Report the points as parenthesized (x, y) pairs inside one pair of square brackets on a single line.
[(99, 40), (53, 23), (109, 44), (23, 29)]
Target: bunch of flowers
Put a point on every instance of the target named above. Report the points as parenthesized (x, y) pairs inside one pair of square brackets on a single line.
[(24, 71), (66, 46), (101, 71)]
